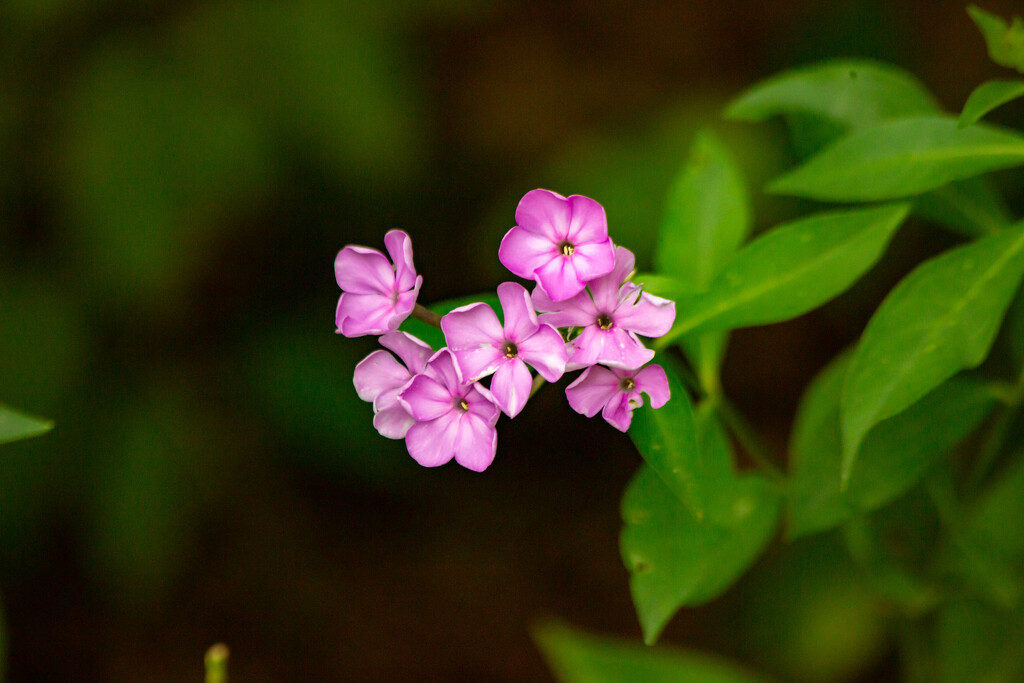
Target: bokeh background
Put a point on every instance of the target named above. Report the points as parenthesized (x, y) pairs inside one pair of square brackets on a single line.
[(176, 177)]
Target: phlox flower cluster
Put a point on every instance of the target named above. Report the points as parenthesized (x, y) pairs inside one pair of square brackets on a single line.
[(584, 313)]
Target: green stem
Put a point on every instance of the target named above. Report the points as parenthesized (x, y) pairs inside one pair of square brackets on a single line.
[(424, 314), (538, 382), (217, 664), (748, 438)]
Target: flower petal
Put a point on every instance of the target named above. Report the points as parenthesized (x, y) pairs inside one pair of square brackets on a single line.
[(476, 339), (399, 246), (404, 304), (377, 373), (413, 352), (476, 442), (441, 367), (653, 382), (482, 403), (361, 314), (615, 347), (587, 222), (361, 270), (433, 443), (511, 386), (393, 422), (651, 316), (594, 260), (545, 351), (426, 398), (606, 290), (558, 278), (577, 311), (520, 318), (523, 252), (618, 412), (589, 393), (544, 212)]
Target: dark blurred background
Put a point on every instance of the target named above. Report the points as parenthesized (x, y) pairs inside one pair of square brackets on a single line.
[(176, 177)]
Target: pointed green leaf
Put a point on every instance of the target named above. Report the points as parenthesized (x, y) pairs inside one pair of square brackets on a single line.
[(987, 97), (969, 207), (15, 425), (1005, 42), (674, 559), (894, 456), (901, 158), (665, 286), (790, 270), (707, 215), (577, 657), (823, 102), (849, 93), (940, 319)]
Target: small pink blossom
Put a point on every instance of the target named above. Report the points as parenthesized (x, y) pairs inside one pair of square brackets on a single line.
[(611, 314), (379, 378), (560, 242), (453, 419), (482, 346), (376, 296), (616, 392)]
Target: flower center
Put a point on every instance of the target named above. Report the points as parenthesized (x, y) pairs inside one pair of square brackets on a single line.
[(566, 248), (627, 384), (462, 404), (604, 321), (511, 350)]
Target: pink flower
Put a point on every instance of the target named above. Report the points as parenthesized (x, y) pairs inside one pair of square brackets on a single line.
[(616, 392), (454, 419), (611, 314), (561, 243), (376, 297), (379, 378), (481, 346)]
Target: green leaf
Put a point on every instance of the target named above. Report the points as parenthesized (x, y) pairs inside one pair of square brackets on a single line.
[(970, 207), (435, 337), (901, 158), (663, 285), (577, 657), (675, 559), (894, 456), (821, 103), (987, 97), (1005, 42), (15, 426), (790, 270), (707, 215), (938, 320), (848, 93), (666, 437)]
